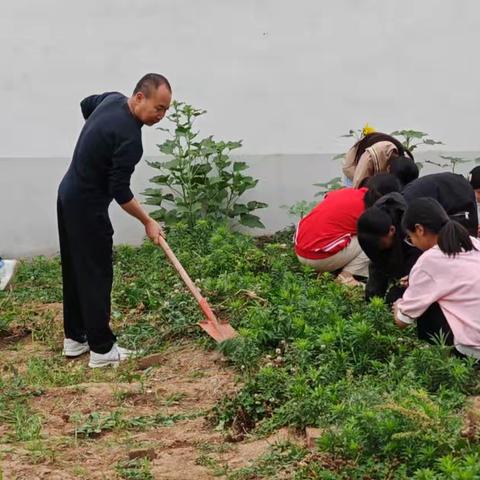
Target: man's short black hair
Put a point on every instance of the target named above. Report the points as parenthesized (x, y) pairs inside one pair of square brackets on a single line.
[(151, 81)]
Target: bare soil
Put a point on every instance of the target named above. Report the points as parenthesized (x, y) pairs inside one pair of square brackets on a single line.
[(185, 381)]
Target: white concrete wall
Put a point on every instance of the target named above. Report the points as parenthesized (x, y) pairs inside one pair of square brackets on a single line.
[(286, 77)]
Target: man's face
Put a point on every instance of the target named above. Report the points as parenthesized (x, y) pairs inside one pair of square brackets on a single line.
[(150, 110)]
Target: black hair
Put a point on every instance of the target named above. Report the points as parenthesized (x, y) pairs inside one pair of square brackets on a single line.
[(404, 168), (452, 237), (151, 81), (373, 224), (372, 138), (379, 185)]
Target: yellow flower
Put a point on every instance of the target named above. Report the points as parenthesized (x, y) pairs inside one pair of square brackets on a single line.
[(367, 129)]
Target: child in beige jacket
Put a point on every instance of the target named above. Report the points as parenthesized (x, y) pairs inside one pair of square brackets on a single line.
[(375, 153)]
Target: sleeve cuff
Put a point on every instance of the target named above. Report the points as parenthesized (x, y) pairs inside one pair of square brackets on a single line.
[(405, 318), (123, 197)]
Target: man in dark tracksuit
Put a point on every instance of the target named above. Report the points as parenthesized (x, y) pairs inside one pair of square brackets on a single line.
[(109, 147)]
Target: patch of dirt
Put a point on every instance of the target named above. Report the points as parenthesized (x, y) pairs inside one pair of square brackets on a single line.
[(13, 336), (186, 383), (471, 419), (248, 450)]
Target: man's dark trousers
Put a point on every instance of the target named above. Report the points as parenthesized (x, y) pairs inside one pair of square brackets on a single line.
[(86, 233)]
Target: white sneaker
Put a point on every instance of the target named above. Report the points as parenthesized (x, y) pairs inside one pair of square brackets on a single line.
[(125, 354), (7, 272), (113, 357), (72, 348)]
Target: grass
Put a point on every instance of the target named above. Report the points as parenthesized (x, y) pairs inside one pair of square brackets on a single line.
[(96, 423), (139, 469), (310, 353)]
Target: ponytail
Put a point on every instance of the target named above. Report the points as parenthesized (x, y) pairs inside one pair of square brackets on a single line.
[(454, 238), (375, 137)]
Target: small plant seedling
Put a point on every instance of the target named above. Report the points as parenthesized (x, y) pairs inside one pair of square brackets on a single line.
[(137, 469)]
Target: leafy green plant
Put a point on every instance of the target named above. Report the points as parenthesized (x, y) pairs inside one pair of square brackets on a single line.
[(200, 180), (333, 184), (97, 423), (412, 139), (451, 162), (301, 208), (27, 425), (310, 353)]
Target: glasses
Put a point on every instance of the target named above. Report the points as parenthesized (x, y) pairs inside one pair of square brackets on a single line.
[(408, 241)]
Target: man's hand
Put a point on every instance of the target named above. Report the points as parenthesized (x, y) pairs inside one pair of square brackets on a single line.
[(154, 231)]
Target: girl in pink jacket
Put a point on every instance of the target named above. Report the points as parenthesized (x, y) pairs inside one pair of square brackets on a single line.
[(443, 293)]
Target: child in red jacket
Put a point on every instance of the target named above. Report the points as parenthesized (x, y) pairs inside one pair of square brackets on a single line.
[(326, 239)]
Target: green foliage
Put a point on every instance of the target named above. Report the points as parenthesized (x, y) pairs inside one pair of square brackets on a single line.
[(279, 458), (24, 425), (200, 180), (310, 353), (96, 423), (412, 139), (301, 208), (27, 425), (333, 184), (137, 469), (451, 468), (451, 162)]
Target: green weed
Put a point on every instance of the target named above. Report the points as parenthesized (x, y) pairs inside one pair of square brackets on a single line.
[(138, 469)]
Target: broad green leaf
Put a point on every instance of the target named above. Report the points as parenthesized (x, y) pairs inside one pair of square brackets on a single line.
[(176, 162), (215, 180), (252, 205), (251, 221), (409, 133), (233, 145), (239, 208), (239, 166), (162, 179), (153, 192), (167, 147), (202, 169)]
